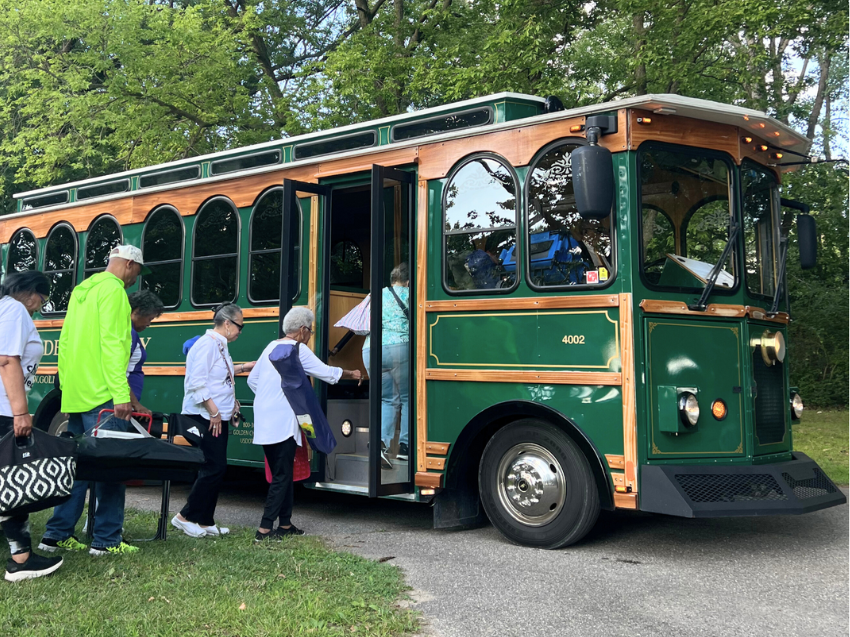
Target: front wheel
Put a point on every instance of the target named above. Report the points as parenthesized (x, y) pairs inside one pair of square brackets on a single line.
[(536, 486)]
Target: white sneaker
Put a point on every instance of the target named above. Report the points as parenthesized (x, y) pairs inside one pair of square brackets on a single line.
[(216, 530), (189, 528)]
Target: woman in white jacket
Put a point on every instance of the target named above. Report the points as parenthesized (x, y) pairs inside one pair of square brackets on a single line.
[(275, 425)]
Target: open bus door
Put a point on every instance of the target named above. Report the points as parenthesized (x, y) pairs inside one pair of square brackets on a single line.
[(392, 244)]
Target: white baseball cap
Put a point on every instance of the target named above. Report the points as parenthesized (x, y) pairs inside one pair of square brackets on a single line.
[(131, 253)]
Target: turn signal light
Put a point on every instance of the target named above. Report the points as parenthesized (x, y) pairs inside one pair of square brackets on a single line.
[(644, 120), (577, 128), (719, 409), (747, 140), (776, 156), (763, 147)]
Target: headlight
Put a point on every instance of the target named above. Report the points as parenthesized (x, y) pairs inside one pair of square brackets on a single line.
[(772, 347), (796, 405), (688, 409)]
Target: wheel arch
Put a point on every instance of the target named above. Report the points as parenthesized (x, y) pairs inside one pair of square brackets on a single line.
[(466, 452)]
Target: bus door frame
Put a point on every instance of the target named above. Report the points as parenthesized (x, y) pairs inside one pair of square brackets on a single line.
[(380, 174)]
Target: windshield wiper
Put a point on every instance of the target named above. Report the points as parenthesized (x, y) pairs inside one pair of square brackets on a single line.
[(700, 305)]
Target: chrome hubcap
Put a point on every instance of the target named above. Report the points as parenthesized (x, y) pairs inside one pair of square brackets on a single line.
[(531, 484)]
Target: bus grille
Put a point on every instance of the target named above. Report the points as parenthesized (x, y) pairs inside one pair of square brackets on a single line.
[(771, 400), (811, 488), (730, 487)]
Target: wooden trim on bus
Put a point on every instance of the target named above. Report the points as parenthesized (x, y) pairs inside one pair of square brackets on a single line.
[(435, 463), (652, 306), (507, 376), (685, 131), (618, 479), (627, 360), (429, 480), (438, 448), (421, 328), (625, 500), (615, 461), (313, 266), (531, 303), (517, 145)]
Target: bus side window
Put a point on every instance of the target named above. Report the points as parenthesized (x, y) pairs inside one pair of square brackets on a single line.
[(60, 266), (162, 247), (563, 248), (479, 226), (215, 253), (104, 234), (23, 252), (264, 262)]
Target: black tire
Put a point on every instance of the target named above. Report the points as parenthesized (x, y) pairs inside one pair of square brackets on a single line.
[(58, 424), (529, 502)]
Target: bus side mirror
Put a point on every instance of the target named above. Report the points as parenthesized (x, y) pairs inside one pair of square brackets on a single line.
[(807, 241), (593, 181)]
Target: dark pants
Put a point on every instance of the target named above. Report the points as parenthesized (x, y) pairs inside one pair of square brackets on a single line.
[(201, 503), (281, 458), (16, 528)]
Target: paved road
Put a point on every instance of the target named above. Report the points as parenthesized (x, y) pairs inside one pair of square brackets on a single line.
[(636, 574)]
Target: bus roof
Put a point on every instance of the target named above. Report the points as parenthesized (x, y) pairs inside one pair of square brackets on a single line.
[(507, 110)]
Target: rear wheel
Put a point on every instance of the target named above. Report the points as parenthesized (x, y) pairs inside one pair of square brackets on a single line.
[(537, 486)]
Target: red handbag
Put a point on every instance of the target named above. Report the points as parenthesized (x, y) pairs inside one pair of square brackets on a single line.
[(301, 470)]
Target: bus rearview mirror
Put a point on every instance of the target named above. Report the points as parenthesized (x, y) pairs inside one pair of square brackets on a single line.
[(593, 181), (807, 241)]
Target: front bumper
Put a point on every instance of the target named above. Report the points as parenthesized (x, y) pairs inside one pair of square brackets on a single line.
[(703, 491)]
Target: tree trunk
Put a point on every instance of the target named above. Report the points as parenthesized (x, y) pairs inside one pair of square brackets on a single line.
[(827, 125), (640, 42), (814, 116)]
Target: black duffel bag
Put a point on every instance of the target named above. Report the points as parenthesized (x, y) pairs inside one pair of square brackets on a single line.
[(36, 472), (106, 459)]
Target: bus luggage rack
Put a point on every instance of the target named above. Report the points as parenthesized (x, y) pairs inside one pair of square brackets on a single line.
[(782, 488)]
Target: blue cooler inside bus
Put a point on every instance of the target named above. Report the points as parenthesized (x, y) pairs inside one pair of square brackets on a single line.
[(555, 259)]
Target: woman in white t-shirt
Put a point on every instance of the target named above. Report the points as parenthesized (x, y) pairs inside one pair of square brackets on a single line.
[(20, 352)]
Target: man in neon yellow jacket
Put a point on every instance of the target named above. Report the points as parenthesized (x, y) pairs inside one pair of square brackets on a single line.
[(94, 350)]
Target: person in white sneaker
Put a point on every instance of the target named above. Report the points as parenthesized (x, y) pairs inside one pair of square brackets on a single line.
[(210, 400)]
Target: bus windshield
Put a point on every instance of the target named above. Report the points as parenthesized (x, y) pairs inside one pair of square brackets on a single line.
[(685, 217)]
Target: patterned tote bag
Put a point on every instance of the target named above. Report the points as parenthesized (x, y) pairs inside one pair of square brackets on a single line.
[(36, 472)]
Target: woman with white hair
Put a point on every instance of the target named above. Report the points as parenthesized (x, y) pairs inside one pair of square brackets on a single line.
[(210, 400), (276, 426)]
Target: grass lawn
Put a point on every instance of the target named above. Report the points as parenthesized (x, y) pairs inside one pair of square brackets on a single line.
[(823, 436), (225, 587)]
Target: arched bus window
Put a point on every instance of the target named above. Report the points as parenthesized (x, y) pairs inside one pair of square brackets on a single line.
[(104, 234), (23, 252), (215, 253), (60, 266), (162, 248), (563, 248), (479, 226), (264, 268)]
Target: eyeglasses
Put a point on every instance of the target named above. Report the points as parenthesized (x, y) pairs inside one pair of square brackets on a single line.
[(309, 329), (239, 325)]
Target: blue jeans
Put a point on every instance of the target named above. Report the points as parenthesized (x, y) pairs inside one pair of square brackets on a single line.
[(395, 387), (109, 511)]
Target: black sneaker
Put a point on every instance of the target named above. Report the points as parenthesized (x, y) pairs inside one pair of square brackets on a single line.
[(36, 566), (262, 537), (402, 451), (292, 530), (51, 546)]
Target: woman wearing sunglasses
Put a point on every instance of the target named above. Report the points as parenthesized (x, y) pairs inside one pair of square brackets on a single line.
[(210, 400)]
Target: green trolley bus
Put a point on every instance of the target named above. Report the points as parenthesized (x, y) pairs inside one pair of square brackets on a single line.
[(597, 311)]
